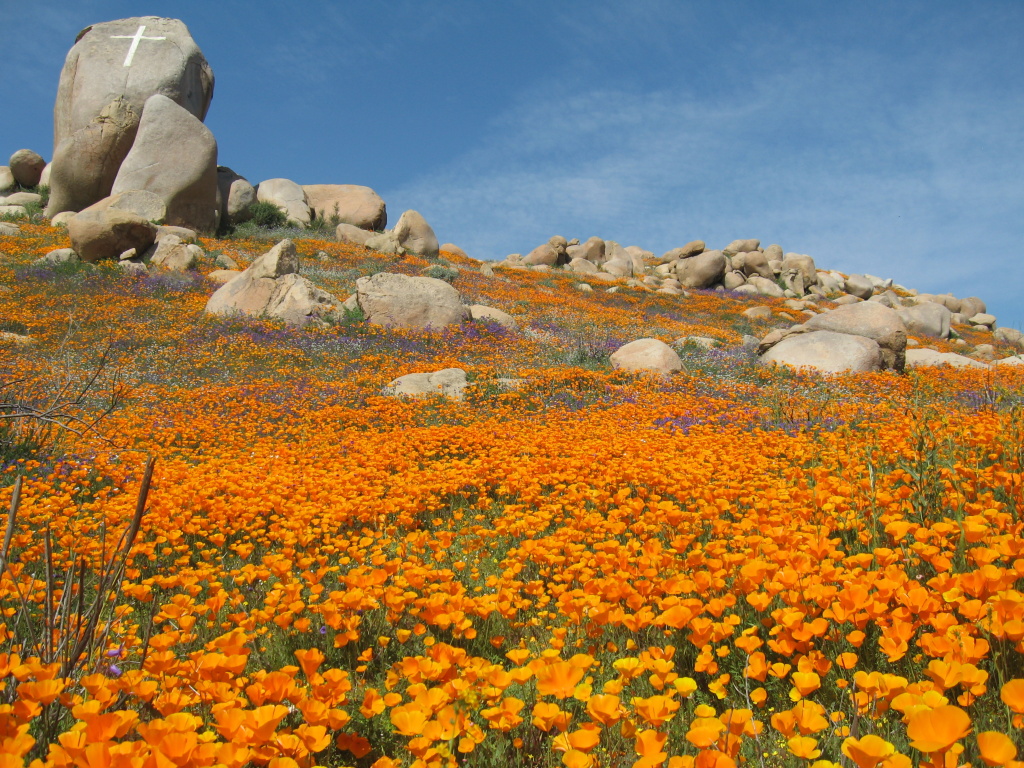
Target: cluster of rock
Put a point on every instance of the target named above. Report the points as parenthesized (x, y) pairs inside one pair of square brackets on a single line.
[(272, 287), (129, 136), (134, 177), (743, 267)]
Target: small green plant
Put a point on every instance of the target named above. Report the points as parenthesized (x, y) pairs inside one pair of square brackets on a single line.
[(352, 315), (266, 215), (321, 223), (441, 272), (43, 190)]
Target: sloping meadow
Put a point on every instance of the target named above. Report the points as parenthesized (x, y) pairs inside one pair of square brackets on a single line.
[(591, 568)]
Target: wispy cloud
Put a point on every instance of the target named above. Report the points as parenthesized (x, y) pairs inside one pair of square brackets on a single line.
[(922, 188)]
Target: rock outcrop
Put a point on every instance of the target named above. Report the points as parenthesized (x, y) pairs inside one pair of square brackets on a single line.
[(110, 73), (400, 301), (352, 204), (175, 157), (106, 234), (271, 287)]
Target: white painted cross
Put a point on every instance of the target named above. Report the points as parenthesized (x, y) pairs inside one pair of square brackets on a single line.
[(135, 43)]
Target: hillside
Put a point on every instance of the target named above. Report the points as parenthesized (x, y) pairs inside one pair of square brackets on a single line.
[(572, 565)]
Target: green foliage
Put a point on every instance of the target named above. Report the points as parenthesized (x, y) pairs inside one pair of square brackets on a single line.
[(352, 315), (442, 272), (266, 215), (323, 224)]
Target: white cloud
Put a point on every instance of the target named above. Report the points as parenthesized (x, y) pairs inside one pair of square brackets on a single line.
[(862, 178)]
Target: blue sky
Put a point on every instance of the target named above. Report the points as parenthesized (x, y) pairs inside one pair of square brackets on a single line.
[(880, 137)]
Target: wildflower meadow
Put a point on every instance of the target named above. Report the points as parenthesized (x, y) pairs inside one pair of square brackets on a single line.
[(224, 546)]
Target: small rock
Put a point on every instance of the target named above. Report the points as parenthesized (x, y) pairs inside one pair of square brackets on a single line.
[(60, 256), (758, 313), (173, 255), (652, 355), (859, 286), (479, 312), (351, 234), (449, 382), (741, 246), (919, 358)]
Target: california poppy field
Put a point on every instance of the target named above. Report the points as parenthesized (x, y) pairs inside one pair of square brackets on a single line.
[(226, 547)]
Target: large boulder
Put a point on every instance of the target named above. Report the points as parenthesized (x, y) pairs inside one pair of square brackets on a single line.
[(109, 74), (414, 235), (826, 351), (26, 167), (702, 270), (859, 286), (236, 196), (174, 156), (86, 163), (543, 254), (802, 264), (98, 235), (582, 266), (271, 287), (927, 319), (592, 250), (351, 203), (448, 382), (148, 205), (651, 355), (753, 263), (971, 306), (351, 234), (871, 320), (765, 287), (400, 301), (288, 196)]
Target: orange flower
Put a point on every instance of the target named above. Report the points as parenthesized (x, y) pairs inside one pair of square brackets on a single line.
[(704, 731), (649, 745), (1012, 695), (868, 751), (805, 747), (582, 740), (548, 715), (938, 729), (804, 684), (310, 661), (996, 748), (559, 679), (505, 716), (604, 708), (655, 710), (409, 719), (574, 758)]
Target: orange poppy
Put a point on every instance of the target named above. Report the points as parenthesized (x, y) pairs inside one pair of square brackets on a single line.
[(937, 729), (868, 751)]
